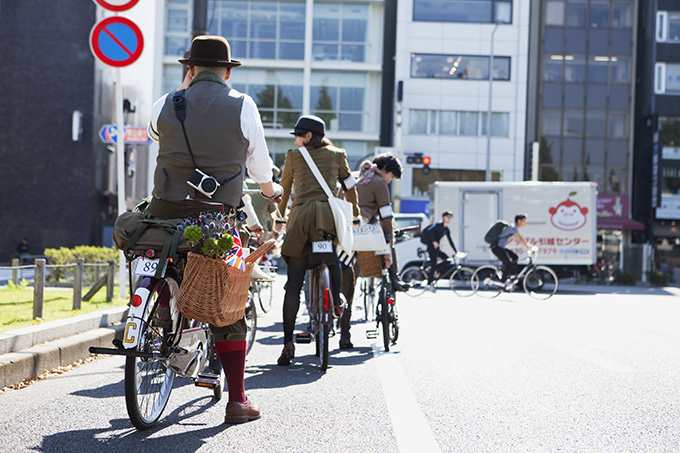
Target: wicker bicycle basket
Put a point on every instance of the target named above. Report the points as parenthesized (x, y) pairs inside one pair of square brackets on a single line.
[(370, 264), (214, 292)]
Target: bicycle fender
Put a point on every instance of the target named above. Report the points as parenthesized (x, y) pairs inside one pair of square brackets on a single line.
[(135, 318)]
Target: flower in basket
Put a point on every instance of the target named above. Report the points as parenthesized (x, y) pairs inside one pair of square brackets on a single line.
[(208, 235)]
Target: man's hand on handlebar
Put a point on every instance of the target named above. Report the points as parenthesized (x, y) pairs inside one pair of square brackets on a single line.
[(276, 196)]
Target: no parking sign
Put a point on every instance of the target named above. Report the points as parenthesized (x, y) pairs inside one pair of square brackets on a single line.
[(116, 41)]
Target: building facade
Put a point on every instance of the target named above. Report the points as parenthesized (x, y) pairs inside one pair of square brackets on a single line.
[(444, 54), (657, 131), (299, 57)]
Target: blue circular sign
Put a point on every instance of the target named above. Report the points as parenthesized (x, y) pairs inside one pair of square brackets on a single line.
[(116, 41)]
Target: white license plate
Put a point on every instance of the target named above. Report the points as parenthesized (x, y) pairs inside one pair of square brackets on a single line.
[(147, 267), (322, 247)]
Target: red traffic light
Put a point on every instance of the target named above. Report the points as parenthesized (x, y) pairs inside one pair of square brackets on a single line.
[(426, 160)]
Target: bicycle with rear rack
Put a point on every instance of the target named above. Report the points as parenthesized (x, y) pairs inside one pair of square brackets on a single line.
[(539, 282), (321, 304), (159, 343)]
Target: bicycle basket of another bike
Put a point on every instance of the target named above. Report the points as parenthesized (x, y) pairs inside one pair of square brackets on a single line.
[(370, 264), (215, 291)]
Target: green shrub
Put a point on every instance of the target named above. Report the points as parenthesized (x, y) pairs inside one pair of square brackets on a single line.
[(90, 253), (656, 278), (623, 277)]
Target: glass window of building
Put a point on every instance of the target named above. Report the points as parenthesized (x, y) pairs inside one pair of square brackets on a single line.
[(551, 122), (595, 151), (622, 41), (480, 11), (673, 34), (577, 13), (618, 125), (260, 29), (574, 68), (339, 98), (597, 97), (596, 123), (622, 14), (554, 13), (277, 93), (672, 78), (552, 95), (552, 67), (500, 124), (598, 68), (572, 151), (554, 40), (573, 123), (576, 40), (469, 123), (574, 95), (599, 14), (620, 70), (619, 97), (466, 67), (340, 32), (448, 122), (418, 122)]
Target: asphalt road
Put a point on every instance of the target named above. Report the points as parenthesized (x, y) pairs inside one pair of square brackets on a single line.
[(590, 370)]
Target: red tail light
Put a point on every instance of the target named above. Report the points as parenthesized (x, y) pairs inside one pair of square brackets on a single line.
[(327, 300), (390, 301), (135, 300)]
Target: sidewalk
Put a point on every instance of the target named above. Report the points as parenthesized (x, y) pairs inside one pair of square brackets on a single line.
[(28, 352)]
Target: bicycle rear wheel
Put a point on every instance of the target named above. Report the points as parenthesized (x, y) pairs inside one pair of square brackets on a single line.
[(540, 283), (393, 318), (148, 381), (251, 322), (461, 282), (486, 282), (416, 278), (323, 313)]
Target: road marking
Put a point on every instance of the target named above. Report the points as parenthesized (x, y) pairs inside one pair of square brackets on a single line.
[(592, 357), (410, 426)]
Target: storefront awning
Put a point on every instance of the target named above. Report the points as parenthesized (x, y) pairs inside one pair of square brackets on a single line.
[(619, 223)]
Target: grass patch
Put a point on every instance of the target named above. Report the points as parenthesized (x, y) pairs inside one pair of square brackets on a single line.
[(16, 305)]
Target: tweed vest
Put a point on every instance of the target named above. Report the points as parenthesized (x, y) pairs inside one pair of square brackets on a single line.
[(213, 127)]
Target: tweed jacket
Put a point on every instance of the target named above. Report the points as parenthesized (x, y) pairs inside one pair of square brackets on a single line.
[(310, 214), (373, 196)]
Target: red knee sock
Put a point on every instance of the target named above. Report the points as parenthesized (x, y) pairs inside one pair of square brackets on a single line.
[(233, 357)]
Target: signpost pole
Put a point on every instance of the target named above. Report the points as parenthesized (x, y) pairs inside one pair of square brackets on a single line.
[(120, 169)]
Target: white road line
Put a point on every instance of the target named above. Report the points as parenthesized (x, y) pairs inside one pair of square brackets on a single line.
[(410, 426), (592, 357)]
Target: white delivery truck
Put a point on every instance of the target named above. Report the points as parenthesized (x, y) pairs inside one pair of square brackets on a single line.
[(561, 218)]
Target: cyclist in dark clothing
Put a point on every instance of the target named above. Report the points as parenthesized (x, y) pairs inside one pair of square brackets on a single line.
[(435, 235)]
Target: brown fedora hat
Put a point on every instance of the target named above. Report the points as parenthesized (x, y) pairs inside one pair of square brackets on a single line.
[(210, 51)]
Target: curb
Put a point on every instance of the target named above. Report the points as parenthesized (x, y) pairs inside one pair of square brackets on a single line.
[(31, 362), (28, 352)]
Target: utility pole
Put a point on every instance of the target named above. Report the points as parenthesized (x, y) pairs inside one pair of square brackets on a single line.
[(200, 17)]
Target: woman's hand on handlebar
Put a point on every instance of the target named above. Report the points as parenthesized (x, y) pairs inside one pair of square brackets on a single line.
[(272, 191)]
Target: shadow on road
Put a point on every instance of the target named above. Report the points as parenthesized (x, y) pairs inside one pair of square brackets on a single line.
[(121, 436)]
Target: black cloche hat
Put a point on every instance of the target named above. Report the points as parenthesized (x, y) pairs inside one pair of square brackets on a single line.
[(309, 123)]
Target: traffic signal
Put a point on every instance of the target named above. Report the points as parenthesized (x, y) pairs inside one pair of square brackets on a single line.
[(414, 158), (426, 165)]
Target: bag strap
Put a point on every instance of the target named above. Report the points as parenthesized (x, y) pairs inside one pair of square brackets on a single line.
[(169, 249), (315, 171)]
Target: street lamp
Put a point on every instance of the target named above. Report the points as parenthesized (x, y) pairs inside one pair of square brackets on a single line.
[(488, 112), (502, 14)]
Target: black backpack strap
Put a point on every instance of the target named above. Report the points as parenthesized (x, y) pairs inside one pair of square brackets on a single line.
[(169, 249)]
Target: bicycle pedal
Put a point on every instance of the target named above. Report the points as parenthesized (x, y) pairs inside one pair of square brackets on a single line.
[(208, 380), (303, 338), (371, 334)]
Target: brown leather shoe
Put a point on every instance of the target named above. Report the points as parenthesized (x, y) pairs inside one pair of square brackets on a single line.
[(241, 412), (339, 309), (287, 354)]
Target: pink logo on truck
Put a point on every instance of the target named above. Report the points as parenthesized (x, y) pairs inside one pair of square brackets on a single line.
[(568, 215)]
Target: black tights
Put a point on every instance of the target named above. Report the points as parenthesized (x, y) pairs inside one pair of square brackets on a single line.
[(297, 267)]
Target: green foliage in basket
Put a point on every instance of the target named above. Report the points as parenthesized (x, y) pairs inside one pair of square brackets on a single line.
[(208, 234)]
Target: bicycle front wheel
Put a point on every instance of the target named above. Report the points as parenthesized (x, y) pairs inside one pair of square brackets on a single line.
[(148, 381), (416, 278), (251, 322), (461, 282), (540, 283), (265, 294), (384, 315), (486, 282)]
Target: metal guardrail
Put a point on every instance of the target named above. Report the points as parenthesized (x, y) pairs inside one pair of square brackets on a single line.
[(41, 265)]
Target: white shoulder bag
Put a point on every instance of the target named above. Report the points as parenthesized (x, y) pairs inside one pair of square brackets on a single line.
[(342, 210)]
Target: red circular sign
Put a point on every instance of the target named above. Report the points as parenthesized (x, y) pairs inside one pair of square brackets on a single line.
[(116, 41), (116, 5)]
